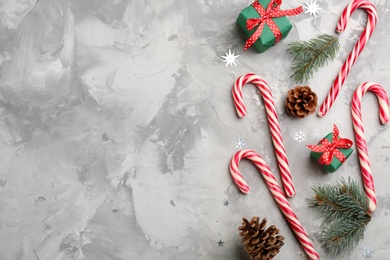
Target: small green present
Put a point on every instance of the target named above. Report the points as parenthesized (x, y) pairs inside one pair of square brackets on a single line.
[(265, 24), (332, 151)]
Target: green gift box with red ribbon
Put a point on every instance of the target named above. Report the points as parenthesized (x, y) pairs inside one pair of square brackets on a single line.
[(332, 151), (265, 24)]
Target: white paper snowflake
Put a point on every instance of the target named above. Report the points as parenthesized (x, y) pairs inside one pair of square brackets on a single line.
[(230, 58), (239, 143), (312, 8), (367, 252), (299, 136)]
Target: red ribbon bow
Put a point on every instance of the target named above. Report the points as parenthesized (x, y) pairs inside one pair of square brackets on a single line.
[(330, 149), (273, 11)]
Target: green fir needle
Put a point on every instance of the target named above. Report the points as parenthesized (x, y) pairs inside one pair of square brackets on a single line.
[(344, 208), (309, 56)]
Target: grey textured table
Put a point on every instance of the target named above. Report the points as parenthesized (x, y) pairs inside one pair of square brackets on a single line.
[(117, 126)]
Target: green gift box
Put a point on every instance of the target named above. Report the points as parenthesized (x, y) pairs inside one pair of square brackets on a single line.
[(267, 38), (336, 162)]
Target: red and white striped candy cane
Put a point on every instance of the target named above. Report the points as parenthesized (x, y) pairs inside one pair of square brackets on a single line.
[(276, 192), (276, 134), (365, 166), (357, 49)]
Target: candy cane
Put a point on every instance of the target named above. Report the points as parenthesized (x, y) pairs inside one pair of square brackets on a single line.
[(357, 49), (276, 134), (365, 166), (276, 192)]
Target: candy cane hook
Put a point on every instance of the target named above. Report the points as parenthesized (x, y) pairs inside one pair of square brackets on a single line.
[(365, 166), (272, 116), (276, 192), (357, 49)]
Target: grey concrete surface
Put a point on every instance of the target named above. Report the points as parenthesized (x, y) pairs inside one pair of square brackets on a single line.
[(117, 126)]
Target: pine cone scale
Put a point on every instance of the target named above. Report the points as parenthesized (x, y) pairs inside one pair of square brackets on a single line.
[(260, 243), (301, 101)]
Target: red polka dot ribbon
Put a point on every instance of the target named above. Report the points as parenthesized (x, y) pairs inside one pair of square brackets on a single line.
[(330, 149), (273, 11)]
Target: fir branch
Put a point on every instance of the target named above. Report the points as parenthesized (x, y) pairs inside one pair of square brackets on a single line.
[(342, 234), (309, 56), (345, 208), (342, 200)]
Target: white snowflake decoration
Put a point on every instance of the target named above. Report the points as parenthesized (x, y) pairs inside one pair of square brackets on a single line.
[(312, 8), (239, 143), (367, 252), (230, 58), (299, 136)]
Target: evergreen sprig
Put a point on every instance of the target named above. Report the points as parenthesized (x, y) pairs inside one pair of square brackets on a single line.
[(309, 56), (345, 209)]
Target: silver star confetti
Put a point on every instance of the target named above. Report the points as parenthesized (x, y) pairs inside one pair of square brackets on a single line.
[(230, 58), (312, 8), (299, 136), (367, 252), (239, 143)]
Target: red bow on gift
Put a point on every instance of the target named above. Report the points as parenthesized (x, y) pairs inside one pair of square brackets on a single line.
[(330, 149), (273, 11)]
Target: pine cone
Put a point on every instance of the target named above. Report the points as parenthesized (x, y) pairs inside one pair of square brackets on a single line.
[(301, 101), (260, 243)]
